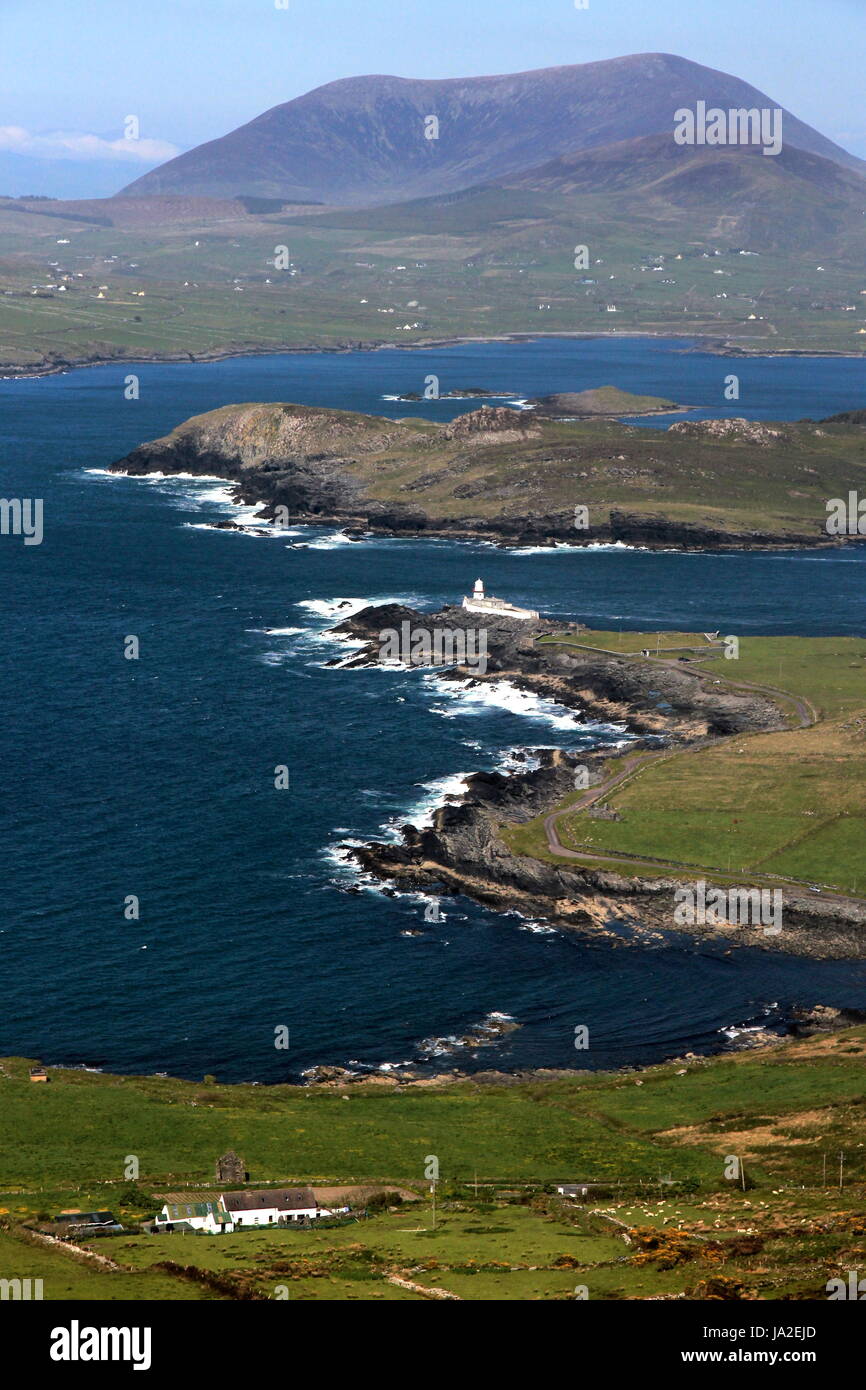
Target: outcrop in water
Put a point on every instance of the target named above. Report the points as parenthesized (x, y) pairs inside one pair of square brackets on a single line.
[(463, 850)]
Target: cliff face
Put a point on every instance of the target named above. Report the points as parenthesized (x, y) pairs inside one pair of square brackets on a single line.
[(658, 532), (292, 455), (464, 851), (502, 474)]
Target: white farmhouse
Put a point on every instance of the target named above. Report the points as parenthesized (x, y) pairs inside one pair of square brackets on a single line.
[(193, 1216), (234, 1211), (272, 1207)]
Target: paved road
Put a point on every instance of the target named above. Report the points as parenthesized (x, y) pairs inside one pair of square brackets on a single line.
[(806, 713)]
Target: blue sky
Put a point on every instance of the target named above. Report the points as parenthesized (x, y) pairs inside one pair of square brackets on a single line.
[(194, 69)]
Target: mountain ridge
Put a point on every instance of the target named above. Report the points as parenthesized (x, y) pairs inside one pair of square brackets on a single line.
[(726, 196), (361, 140)]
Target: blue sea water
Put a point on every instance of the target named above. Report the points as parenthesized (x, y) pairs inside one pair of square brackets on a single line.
[(155, 777)]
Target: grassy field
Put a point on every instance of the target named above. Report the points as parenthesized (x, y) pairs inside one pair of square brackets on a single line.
[(790, 804), (659, 1143), (501, 262), (66, 1276), (723, 484), (82, 1128)]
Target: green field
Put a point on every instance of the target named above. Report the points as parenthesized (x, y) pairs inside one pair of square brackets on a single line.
[(81, 1129), (657, 1141), (498, 262), (791, 804)]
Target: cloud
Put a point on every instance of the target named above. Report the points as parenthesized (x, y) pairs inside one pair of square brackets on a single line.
[(76, 145)]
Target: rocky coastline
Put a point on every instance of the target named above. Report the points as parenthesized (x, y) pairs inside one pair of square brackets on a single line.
[(368, 475), (816, 1021), (463, 850)]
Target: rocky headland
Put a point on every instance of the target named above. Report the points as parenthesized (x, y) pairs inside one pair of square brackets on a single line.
[(463, 850), (516, 478)]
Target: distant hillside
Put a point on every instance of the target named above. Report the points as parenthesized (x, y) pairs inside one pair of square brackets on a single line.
[(656, 165), (795, 198), (362, 140), (731, 195), (125, 212), (846, 417)]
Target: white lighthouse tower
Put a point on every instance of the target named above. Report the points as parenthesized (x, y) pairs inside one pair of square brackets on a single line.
[(479, 602)]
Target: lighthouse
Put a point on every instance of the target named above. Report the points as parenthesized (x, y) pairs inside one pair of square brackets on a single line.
[(479, 602)]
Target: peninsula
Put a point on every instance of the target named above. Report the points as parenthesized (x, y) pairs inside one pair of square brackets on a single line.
[(502, 474), (742, 774)]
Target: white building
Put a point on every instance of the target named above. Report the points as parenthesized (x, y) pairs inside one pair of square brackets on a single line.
[(233, 1211), (480, 603), (272, 1207), (193, 1216)]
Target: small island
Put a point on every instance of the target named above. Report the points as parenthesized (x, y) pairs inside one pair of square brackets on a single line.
[(601, 403)]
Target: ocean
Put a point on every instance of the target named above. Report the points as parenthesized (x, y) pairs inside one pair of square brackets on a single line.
[(154, 779)]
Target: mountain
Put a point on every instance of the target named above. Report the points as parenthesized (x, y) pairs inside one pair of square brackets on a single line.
[(795, 198), (362, 140), (725, 196)]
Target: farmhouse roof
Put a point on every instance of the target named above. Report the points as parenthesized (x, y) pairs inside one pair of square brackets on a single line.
[(284, 1199), (87, 1218), (181, 1211)]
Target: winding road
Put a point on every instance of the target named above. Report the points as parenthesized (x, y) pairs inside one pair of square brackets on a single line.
[(806, 713)]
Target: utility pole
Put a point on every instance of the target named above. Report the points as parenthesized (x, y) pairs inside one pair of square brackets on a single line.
[(433, 1191), (841, 1167)]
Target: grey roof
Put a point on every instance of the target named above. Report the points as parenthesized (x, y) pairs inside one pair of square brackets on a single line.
[(284, 1198), (87, 1218)]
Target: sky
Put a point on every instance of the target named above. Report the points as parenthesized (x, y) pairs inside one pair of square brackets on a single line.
[(191, 70)]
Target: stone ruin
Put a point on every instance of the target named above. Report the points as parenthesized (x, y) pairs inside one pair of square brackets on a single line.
[(230, 1169)]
